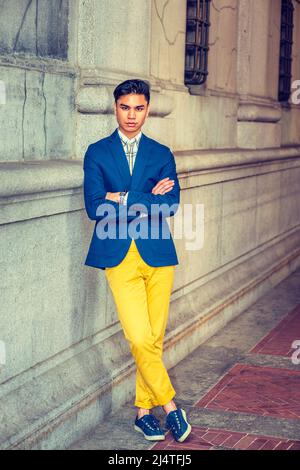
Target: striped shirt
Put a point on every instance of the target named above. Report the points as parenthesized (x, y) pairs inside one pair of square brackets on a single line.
[(130, 148)]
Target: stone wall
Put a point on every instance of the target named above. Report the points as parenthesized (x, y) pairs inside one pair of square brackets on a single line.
[(36, 27), (237, 152), (37, 121)]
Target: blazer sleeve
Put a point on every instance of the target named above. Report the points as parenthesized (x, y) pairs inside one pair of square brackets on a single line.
[(94, 192), (168, 202)]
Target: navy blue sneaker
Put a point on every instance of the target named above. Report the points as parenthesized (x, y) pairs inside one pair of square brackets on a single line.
[(177, 422), (150, 427)]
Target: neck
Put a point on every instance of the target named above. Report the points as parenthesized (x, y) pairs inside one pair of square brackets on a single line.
[(130, 135)]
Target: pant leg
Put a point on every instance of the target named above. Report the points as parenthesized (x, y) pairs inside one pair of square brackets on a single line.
[(159, 284), (127, 282)]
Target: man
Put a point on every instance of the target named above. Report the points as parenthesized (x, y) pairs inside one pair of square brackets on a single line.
[(130, 187)]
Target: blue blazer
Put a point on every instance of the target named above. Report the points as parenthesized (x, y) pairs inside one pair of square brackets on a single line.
[(143, 219)]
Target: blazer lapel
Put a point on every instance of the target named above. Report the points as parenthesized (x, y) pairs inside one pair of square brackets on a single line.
[(119, 157), (140, 162)]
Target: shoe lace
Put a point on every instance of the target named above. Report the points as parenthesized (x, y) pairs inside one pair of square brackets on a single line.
[(151, 422), (177, 425), (154, 421)]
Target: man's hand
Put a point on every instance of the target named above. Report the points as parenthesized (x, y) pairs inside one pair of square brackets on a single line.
[(113, 196), (163, 186)]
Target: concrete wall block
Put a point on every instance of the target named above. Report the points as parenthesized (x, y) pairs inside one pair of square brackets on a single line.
[(36, 27), (49, 299), (38, 119), (238, 218)]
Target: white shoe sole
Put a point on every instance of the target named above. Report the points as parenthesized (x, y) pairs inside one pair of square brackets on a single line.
[(187, 432), (149, 438)]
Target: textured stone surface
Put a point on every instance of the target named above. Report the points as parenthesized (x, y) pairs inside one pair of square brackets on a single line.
[(107, 28), (37, 119), (258, 135), (37, 27)]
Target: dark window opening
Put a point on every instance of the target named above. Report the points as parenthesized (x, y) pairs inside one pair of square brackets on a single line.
[(196, 44), (286, 41)]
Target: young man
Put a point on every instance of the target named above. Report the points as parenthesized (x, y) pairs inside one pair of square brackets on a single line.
[(130, 187)]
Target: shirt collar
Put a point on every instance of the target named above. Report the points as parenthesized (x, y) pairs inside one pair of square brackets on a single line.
[(126, 139)]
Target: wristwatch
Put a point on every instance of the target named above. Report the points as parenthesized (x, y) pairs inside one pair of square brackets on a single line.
[(122, 196)]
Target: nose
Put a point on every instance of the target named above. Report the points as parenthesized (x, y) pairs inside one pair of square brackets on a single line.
[(131, 114)]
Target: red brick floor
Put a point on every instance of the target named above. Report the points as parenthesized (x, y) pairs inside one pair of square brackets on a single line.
[(206, 439), (279, 341), (264, 391)]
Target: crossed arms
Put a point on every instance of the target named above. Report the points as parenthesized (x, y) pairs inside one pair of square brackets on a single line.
[(165, 193)]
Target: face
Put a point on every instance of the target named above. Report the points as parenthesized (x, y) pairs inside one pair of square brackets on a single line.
[(131, 112)]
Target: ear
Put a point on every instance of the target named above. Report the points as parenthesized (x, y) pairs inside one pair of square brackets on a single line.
[(148, 110)]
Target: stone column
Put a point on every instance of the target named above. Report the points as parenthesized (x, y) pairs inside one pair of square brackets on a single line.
[(222, 48), (257, 74), (113, 45), (168, 27)]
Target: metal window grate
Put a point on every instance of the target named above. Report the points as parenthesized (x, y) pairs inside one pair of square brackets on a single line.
[(196, 45), (286, 41)]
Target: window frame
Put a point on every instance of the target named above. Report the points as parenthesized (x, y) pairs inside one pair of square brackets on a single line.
[(196, 42), (285, 51)]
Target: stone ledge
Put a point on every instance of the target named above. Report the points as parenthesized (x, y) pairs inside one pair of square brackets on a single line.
[(194, 160), (259, 113), (21, 178), (27, 206), (41, 64)]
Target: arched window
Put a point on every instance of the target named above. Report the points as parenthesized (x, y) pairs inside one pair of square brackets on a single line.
[(286, 42), (196, 44)]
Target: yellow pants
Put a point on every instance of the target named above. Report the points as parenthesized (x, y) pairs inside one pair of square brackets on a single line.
[(142, 295)]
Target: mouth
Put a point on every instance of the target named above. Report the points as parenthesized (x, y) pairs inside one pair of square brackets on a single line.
[(131, 124)]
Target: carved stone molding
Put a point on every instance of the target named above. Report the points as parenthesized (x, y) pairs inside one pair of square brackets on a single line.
[(258, 113), (99, 100)]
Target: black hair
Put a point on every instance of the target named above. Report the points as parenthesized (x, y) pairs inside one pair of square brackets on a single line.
[(140, 87)]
